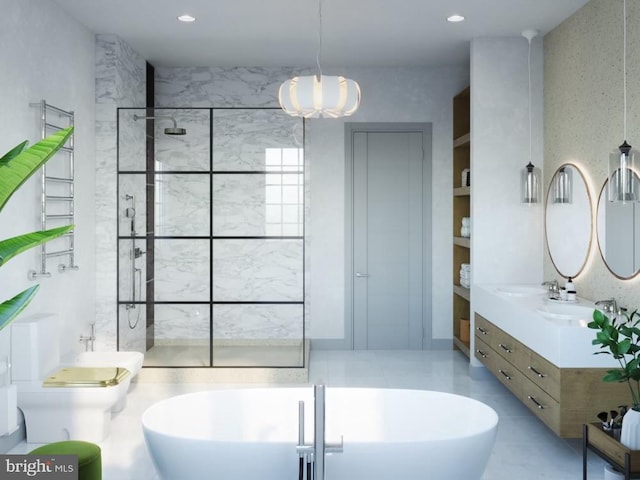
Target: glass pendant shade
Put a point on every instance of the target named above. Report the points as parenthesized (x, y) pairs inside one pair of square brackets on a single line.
[(622, 185), (530, 184), (316, 96), (562, 186)]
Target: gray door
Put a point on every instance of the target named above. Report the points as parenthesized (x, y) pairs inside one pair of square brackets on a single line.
[(388, 231)]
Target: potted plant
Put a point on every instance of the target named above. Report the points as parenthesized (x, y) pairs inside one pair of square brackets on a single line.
[(620, 338), (16, 166)]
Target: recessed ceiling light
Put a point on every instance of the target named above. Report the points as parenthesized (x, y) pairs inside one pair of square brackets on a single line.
[(455, 18), (187, 18)]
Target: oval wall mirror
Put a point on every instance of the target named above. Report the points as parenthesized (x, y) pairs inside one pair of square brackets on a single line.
[(568, 226), (619, 234)]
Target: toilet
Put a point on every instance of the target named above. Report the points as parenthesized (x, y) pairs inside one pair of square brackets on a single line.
[(131, 361), (60, 402)]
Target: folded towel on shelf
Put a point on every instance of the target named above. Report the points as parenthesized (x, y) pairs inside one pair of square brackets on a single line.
[(465, 275)]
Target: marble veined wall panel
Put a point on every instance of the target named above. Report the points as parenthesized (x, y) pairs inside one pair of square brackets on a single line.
[(176, 323), (132, 326), (257, 270), (182, 152), (220, 86), (241, 137), (132, 145), (120, 82), (257, 322), (182, 270), (182, 204), (239, 207), (133, 185)]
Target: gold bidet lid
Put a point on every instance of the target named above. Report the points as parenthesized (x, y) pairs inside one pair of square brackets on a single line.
[(87, 377)]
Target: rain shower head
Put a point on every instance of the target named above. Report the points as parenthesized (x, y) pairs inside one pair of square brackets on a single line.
[(175, 130)]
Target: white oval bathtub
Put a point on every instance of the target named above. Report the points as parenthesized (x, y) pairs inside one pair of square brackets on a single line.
[(252, 433)]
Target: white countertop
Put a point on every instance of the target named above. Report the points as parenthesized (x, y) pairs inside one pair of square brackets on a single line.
[(565, 342)]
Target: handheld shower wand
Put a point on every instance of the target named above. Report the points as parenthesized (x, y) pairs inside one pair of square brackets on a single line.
[(136, 273)]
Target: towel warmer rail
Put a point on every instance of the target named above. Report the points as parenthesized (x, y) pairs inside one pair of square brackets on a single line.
[(66, 198)]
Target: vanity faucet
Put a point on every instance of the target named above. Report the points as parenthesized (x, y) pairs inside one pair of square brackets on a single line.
[(609, 306), (553, 288)]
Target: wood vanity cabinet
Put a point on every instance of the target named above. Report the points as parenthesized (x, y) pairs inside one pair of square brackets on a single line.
[(563, 398)]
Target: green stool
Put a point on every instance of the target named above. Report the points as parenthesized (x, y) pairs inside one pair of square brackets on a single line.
[(89, 458)]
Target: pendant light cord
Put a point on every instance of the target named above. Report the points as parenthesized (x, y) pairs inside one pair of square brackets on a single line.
[(530, 142), (319, 52), (624, 64)]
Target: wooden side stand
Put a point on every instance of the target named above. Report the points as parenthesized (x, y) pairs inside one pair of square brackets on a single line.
[(609, 449)]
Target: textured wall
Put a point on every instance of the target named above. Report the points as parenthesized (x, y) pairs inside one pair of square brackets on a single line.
[(389, 95), (583, 116), (46, 54)]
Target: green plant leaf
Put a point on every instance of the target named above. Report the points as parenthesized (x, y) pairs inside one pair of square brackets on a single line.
[(603, 337), (13, 152), (11, 247), (624, 346), (16, 168), (9, 309), (600, 318), (614, 376)]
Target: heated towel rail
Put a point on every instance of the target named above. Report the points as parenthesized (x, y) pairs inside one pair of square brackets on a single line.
[(57, 191)]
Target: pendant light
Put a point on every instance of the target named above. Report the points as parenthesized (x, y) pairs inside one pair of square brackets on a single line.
[(530, 174), (562, 186), (622, 185), (319, 95)]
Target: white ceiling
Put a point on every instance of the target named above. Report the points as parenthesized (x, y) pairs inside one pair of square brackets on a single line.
[(390, 33)]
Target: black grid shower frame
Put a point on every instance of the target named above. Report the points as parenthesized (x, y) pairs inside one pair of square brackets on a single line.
[(151, 229)]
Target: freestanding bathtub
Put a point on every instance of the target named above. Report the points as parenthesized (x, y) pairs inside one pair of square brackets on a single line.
[(388, 434)]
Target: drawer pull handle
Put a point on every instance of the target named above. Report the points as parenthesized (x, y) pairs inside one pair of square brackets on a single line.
[(541, 375), (481, 353), (482, 331), (538, 404), (505, 348), (505, 374)]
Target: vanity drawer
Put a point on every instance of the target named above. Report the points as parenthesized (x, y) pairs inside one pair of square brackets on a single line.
[(484, 353), (540, 371), (541, 404), (503, 343), (485, 330), (507, 373), (506, 345)]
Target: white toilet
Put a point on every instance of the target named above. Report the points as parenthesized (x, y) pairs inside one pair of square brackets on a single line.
[(131, 361), (70, 403)]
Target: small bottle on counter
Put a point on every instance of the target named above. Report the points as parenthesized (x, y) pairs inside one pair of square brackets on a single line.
[(571, 290)]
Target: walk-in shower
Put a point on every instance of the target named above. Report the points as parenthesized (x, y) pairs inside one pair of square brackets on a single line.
[(211, 237)]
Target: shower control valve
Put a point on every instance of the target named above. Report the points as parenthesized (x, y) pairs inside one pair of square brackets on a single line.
[(137, 252)]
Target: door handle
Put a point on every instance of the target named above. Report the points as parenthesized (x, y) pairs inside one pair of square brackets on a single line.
[(359, 275)]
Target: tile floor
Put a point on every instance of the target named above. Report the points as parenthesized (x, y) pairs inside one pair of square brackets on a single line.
[(525, 448)]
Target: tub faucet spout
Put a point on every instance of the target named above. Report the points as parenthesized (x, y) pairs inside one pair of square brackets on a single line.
[(320, 448)]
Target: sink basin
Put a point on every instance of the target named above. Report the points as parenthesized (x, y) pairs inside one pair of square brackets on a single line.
[(521, 290), (567, 311)]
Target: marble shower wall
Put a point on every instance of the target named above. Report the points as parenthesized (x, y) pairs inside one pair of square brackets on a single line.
[(192, 205), (120, 82)]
